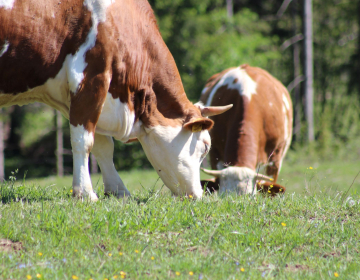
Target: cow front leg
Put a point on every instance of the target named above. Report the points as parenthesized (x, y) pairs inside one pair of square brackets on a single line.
[(103, 150), (82, 142)]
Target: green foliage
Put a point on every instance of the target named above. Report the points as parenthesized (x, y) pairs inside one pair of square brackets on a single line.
[(155, 236), (130, 156), (38, 122), (205, 41)]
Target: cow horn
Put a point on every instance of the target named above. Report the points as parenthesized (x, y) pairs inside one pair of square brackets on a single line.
[(214, 110), (263, 177), (215, 173)]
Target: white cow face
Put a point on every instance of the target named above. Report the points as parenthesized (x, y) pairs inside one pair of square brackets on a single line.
[(176, 154), (237, 180), (240, 180)]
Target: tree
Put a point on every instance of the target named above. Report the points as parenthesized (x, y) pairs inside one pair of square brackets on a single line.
[(2, 147), (308, 65)]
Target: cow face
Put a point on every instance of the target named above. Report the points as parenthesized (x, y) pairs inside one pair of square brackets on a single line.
[(238, 180), (176, 154)]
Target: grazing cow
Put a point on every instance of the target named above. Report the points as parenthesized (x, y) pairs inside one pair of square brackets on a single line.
[(105, 67), (257, 130)]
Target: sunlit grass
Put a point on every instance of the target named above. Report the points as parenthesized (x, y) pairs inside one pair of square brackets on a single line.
[(156, 236), (309, 233), (326, 177)]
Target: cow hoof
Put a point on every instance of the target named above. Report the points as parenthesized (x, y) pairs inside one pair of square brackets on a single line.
[(91, 196)]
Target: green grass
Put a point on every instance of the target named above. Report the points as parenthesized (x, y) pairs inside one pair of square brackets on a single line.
[(326, 176), (134, 180), (312, 232), (215, 238)]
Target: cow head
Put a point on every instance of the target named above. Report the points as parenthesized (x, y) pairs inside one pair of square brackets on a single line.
[(239, 180), (176, 151)]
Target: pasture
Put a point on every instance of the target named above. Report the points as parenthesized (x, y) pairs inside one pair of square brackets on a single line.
[(312, 234)]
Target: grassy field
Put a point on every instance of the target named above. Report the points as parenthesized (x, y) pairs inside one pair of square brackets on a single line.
[(297, 176), (312, 232)]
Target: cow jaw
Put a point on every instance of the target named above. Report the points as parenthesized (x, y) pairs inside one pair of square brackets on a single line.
[(176, 154)]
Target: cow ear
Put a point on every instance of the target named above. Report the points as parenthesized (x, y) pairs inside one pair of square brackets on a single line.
[(199, 124)]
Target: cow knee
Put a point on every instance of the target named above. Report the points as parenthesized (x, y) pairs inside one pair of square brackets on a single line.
[(81, 139)]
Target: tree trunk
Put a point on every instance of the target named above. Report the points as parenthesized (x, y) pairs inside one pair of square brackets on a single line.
[(2, 156), (59, 144), (309, 105), (297, 69), (358, 52), (229, 8)]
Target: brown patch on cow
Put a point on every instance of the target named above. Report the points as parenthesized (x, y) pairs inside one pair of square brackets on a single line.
[(39, 42), (8, 246), (270, 188), (253, 131)]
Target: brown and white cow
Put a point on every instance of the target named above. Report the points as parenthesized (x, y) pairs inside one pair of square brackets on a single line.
[(256, 131), (104, 65)]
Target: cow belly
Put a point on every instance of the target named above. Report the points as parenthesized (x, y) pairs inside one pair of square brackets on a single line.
[(54, 92), (116, 119)]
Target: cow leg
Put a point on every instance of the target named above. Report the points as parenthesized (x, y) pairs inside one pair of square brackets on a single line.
[(85, 109), (82, 142), (273, 168), (103, 150)]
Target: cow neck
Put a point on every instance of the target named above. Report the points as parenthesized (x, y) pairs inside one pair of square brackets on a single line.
[(143, 73), (242, 141), (172, 102), (148, 74)]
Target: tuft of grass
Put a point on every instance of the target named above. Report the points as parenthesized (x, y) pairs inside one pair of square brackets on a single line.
[(154, 235)]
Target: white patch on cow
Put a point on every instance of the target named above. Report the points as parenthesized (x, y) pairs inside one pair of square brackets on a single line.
[(81, 143), (204, 90), (4, 48), (244, 84), (239, 180), (76, 63), (116, 119), (176, 155), (287, 128), (286, 102), (57, 92), (103, 150), (7, 4), (270, 104)]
